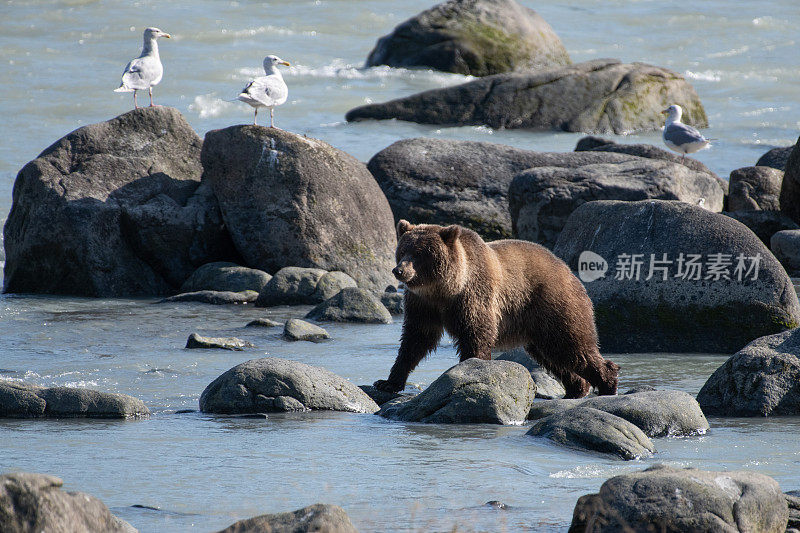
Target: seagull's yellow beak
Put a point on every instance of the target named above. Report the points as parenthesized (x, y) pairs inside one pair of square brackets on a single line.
[(285, 63), (665, 112), (167, 35)]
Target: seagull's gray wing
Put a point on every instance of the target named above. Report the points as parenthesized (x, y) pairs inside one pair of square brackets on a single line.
[(142, 73), (267, 91), (680, 134)]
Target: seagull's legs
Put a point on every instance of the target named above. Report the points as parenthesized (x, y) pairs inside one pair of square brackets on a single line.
[(135, 105), (271, 117), (255, 117), (683, 160), (150, 90)]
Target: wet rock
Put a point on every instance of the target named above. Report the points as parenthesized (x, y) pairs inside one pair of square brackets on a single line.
[(542, 199), (790, 188), (300, 330), (318, 517), (271, 384), (473, 37), (19, 400), (330, 284), (291, 286), (755, 189), (35, 502), (495, 504), (472, 392), (662, 498), (114, 209), (594, 430), (290, 200), (547, 386), (764, 224), (598, 96), (761, 379), (394, 302), (214, 297), (775, 158), (263, 323), (640, 388), (381, 397), (352, 305), (222, 343), (793, 501), (222, 276), (680, 313), (666, 413), (785, 245)]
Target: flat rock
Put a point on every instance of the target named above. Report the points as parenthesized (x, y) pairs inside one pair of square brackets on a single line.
[(224, 276), (394, 302), (273, 385), (776, 158), (291, 286), (604, 95), (35, 502), (222, 343), (290, 200), (214, 297), (764, 224), (755, 189), (330, 284), (785, 245), (351, 305), (662, 498), (664, 413), (300, 330), (473, 37), (594, 430), (263, 323), (20, 400), (761, 379), (681, 308), (472, 392), (318, 517), (547, 386)]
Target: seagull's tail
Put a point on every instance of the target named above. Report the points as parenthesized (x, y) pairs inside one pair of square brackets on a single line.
[(123, 89)]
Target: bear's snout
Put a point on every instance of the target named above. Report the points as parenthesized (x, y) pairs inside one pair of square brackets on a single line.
[(403, 271)]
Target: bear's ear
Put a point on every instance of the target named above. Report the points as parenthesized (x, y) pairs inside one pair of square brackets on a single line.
[(450, 234), (403, 226)]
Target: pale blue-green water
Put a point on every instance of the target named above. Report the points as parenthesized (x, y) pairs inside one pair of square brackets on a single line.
[(59, 62)]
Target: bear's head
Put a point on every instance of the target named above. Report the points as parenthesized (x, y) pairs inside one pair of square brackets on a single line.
[(426, 255)]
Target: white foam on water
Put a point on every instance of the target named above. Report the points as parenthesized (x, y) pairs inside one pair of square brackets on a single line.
[(706, 75), (210, 105)]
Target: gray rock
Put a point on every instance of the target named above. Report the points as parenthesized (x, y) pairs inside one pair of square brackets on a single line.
[(591, 429), (665, 413), (214, 297), (662, 498), (547, 386), (19, 400), (222, 343), (222, 276), (330, 284), (270, 384), (35, 502), (755, 189), (263, 323), (764, 224), (291, 286), (542, 199), (677, 314), (473, 37), (793, 500), (352, 305), (761, 379), (472, 392), (786, 247), (394, 302), (290, 200), (599, 96), (776, 158), (300, 330), (790, 188), (318, 517), (114, 209)]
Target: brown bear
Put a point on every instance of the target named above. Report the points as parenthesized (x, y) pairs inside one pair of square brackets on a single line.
[(501, 294)]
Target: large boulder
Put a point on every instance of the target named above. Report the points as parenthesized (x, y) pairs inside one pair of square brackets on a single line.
[(318, 517), (764, 224), (755, 189), (542, 199), (21, 400), (472, 392), (114, 209), (274, 385), (35, 502), (790, 188), (473, 37), (776, 158), (786, 247), (291, 286), (352, 305), (603, 95), (663, 498), (290, 200), (687, 304), (224, 276), (761, 379)]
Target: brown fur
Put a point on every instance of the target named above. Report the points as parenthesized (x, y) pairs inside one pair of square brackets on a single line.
[(495, 295)]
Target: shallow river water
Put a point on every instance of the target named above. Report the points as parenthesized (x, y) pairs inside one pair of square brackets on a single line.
[(60, 61)]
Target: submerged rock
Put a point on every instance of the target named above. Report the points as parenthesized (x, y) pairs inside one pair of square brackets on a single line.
[(603, 95), (214, 297), (222, 276), (687, 304), (352, 305), (222, 343), (291, 286), (662, 498), (547, 386), (473, 37), (318, 517), (761, 379), (594, 430), (300, 330), (19, 400), (472, 392), (755, 189), (271, 384), (35, 502)]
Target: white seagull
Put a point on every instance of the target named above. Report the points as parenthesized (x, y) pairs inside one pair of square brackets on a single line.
[(146, 70), (680, 137), (267, 91)]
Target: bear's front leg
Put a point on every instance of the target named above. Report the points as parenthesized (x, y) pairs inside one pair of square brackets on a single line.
[(474, 332)]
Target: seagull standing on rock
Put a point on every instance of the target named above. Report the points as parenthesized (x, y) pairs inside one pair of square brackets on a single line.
[(146, 70), (680, 137), (267, 91)]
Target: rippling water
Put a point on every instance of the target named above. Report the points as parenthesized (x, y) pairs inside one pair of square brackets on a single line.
[(60, 62)]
